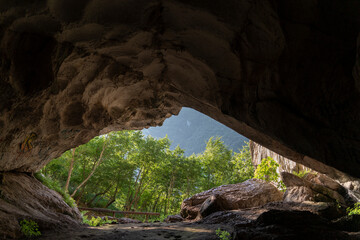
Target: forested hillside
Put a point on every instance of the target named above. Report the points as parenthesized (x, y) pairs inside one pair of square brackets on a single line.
[(192, 129)]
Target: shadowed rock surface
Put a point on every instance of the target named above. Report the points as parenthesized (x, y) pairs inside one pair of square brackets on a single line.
[(284, 74), (290, 221), (311, 188), (24, 197), (251, 193)]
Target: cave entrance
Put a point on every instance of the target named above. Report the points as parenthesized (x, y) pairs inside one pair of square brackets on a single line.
[(152, 170)]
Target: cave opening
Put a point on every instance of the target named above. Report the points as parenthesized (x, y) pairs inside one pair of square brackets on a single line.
[(283, 73), (152, 170)]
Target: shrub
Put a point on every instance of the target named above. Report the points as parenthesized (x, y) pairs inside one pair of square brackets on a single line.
[(354, 210), (30, 228), (301, 174), (267, 170), (94, 221), (56, 187), (222, 234)]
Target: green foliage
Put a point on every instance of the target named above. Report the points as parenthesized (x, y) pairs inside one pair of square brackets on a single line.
[(355, 210), (140, 173), (301, 174), (30, 228), (222, 234), (242, 165), (160, 218), (267, 170), (94, 221), (56, 187)]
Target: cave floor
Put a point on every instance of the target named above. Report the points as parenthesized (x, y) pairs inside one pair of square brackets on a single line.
[(155, 231)]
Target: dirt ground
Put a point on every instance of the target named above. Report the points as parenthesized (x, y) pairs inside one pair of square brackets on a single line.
[(153, 231)]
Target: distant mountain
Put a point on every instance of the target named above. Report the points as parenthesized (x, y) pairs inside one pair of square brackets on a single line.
[(192, 129)]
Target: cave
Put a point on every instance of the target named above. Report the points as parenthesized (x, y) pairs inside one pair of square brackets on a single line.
[(285, 74)]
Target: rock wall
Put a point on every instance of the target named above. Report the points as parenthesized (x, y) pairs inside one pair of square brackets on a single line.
[(352, 184), (24, 197), (283, 73), (258, 153)]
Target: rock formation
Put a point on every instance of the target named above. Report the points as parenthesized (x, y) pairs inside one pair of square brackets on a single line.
[(331, 176), (315, 187), (258, 153), (283, 73), (24, 197), (174, 218), (251, 193), (281, 221)]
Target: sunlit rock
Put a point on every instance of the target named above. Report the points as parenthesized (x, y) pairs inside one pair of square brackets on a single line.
[(251, 193)]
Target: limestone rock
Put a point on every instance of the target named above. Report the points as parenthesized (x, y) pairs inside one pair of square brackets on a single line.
[(125, 220), (212, 204), (251, 193), (259, 152), (278, 220), (347, 186), (298, 194), (314, 187), (174, 218), (347, 223), (285, 74), (71, 71), (326, 210), (24, 197)]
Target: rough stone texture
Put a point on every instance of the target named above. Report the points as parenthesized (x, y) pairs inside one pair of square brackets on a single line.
[(315, 187), (347, 223), (174, 218), (251, 193), (290, 221), (125, 220), (333, 178), (258, 153), (212, 204), (285, 74), (24, 197), (326, 210)]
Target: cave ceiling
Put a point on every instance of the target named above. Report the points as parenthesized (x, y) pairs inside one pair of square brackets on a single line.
[(285, 74)]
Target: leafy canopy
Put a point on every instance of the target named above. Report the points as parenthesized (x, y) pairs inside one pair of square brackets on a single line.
[(138, 173)]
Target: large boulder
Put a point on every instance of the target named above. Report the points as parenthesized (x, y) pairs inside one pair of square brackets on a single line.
[(314, 187), (24, 197), (251, 193)]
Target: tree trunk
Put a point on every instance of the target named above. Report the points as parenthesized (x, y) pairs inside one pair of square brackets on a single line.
[(170, 189), (98, 194), (114, 196), (70, 170), (137, 189), (156, 202), (92, 172)]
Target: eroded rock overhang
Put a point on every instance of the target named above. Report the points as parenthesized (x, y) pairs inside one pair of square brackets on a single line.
[(285, 74)]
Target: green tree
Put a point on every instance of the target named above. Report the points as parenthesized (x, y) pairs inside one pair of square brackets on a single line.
[(267, 170), (242, 165), (127, 171), (216, 162)]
